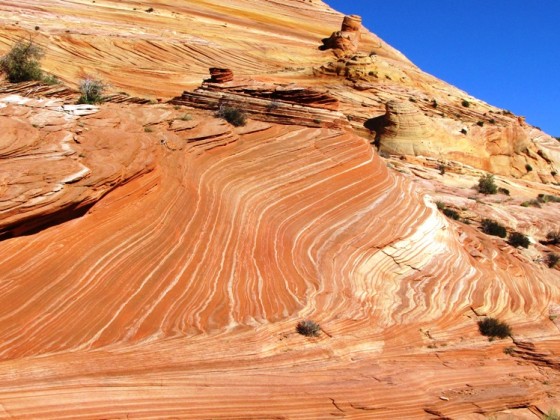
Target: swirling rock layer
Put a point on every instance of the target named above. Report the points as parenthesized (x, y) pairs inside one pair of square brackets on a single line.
[(155, 260)]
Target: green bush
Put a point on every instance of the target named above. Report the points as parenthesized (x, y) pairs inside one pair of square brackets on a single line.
[(517, 239), (91, 90), (308, 328), (232, 115), (504, 191), (21, 64), (486, 184), (528, 167), (452, 214), (491, 327), (465, 103), (491, 227)]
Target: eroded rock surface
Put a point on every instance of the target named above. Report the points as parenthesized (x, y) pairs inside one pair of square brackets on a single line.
[(155, 259)]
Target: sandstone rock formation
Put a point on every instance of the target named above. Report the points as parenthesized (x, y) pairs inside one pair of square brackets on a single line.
[(347, 40), (155, 260), (220, 75)]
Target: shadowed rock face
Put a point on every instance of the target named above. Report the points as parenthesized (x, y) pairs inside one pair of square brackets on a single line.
[(156, 260)]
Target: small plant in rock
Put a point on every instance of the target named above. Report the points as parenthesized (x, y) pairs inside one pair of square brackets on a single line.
[(517, 239), (552, 259), (528, 168), (452, 214), (440, 205), (22, 63), (232, 115), (492, 328), (50, 80), (491, 227), (91, 90), (552, 414), (442, 168), (465, 103), (486, 184), (308, 328), (532, 203), (502, 190), (480, 123), (509, 350), (185, 117), (547, 198), (553, 237)]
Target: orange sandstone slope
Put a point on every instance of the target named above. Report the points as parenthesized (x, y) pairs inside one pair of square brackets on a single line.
[(155, 260)]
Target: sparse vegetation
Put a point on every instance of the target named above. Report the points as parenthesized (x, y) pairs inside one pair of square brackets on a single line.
[(150, 10), (442, 168), (22, 62), (185, 117), (533, 203), (502, 190), (547, 198), (452, 214), (480, 123), (232, 115), (528, 167), (50, 79), (308, 328), (91, 90), (492, 328), (552, 414), (465, 103), (491, 227), (509, 350), (517, 239), (464, 131), (148, 129), (486, 184), (552, 259), (553, 237), (434, 103)]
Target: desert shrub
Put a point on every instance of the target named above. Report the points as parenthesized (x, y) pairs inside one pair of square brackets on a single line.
[(552, 259), (452, 214), (440, 205), (504, 191), (464, 131), (509, 350), (552, 414), (50, 79), (22, 63), (517, 239), (480, 123), (91, 90), (528, 167), (232, 115), (486, 184), (185, 117), (547, 198), (434, 103), (491, 227), (465, 103), (442, 168), (553, 237), (491, 327), (533, 203), (553, 173), (308, 328)]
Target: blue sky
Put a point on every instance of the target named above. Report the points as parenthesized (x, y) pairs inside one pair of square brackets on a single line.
[(506, 53)]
